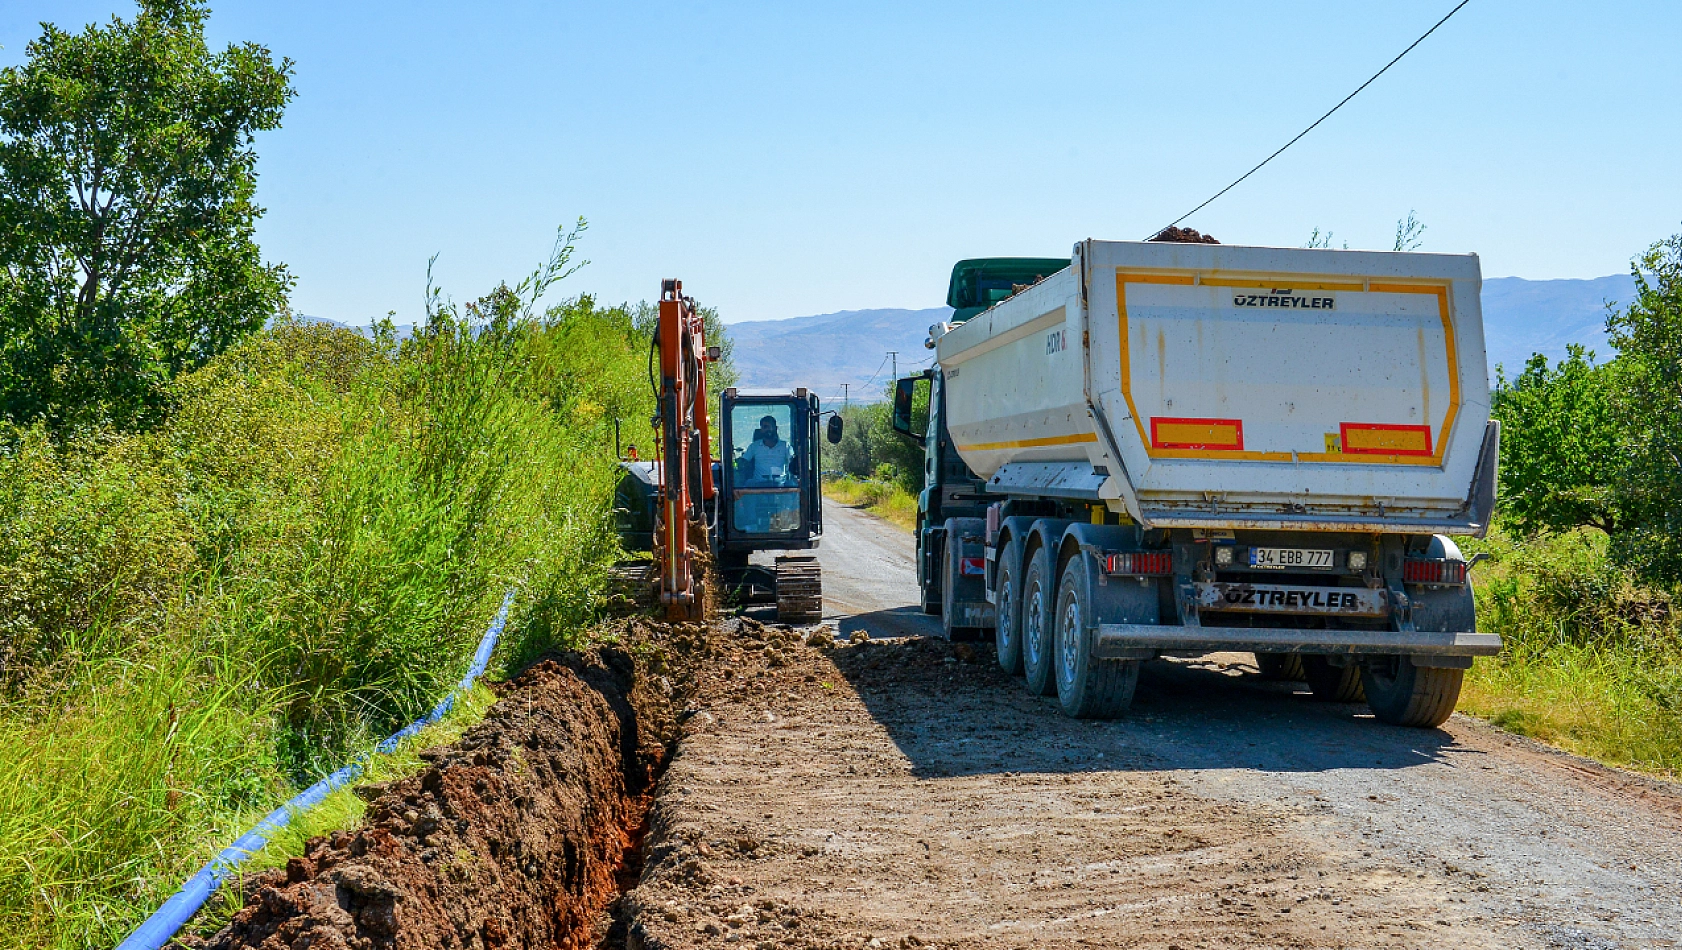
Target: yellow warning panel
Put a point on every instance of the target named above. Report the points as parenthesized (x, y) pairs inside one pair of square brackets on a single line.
[(1169, 433), (1365, 438)]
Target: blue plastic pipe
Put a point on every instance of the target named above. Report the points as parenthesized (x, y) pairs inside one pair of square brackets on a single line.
[(162, 925)]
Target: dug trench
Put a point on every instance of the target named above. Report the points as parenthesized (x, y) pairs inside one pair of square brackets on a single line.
[(523, 833)]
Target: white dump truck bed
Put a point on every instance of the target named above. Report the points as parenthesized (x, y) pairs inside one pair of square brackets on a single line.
[(1220, 386)]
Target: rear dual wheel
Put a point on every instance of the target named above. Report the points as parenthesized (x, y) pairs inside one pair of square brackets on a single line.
[(1332, 684), (1281, 666), (1007, 624), (1402, 694), (1038, 624), (1088, 686), (1397, 691)]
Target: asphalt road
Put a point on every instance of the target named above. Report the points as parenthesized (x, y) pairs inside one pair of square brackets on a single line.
[(870, 575)]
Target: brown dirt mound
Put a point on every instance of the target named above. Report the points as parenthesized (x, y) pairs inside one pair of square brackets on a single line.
[(517, 835), (1184, 236)]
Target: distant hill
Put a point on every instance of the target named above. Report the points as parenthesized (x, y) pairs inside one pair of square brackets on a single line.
[(824, 351), (1520, 317)]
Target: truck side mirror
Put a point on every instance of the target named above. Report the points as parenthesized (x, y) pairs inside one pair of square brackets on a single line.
[(904, 393), (834, 434)]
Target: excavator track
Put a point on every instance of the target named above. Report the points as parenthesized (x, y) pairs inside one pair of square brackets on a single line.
[(631, 588), (799, 589)]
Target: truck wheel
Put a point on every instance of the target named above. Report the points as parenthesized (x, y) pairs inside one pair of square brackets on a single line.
[(1406, 695), (1332, 684), (1281, 666), (1007, 628), (1039, 625), (1088, 687)]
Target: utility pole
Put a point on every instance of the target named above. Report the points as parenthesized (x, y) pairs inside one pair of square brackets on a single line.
[(894, 354), (845, 392)]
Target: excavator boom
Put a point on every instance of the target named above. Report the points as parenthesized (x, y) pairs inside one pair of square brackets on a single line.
[(685, 473)]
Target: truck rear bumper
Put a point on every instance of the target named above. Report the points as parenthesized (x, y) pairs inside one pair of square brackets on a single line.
[(1132, 640)]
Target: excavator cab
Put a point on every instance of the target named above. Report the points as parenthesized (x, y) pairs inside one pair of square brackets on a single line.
[(768, 471), (769, 499)]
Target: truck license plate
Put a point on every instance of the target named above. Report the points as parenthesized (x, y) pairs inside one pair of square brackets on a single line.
[(1278, 559)]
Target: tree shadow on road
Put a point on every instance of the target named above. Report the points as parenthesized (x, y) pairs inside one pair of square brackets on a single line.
[(952, 718)]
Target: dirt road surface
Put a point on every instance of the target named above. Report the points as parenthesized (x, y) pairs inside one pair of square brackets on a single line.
[(904, 792)]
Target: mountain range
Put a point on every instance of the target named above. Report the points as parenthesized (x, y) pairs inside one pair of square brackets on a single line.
[(848, 352)]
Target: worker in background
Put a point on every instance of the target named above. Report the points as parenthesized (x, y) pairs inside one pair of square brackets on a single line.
[(766, 460)]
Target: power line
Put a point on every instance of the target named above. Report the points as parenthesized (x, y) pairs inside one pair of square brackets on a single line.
[(873, 375), (1323, 118)]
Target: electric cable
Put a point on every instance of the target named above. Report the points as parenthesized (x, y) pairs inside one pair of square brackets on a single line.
[(873, 375), (1323, 118)]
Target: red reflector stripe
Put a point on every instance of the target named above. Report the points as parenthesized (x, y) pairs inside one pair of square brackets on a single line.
[(971, 566), (1429, 571), (1140, 563)]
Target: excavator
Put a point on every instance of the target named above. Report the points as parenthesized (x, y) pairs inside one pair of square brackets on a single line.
[(763, 494)]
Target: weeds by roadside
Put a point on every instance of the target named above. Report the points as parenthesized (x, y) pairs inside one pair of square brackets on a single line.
[(1592, 659), (885, 499)]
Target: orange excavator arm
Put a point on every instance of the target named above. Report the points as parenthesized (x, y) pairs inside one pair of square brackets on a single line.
[(685, 445)]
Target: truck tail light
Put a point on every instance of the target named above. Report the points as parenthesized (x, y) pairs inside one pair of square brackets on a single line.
[(1140, 563), (1433, 571)]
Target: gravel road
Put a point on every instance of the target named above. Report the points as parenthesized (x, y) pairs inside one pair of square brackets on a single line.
[(904, 792)]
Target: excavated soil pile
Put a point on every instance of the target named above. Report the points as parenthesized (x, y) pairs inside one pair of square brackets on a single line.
[(517, 835), (1184, 236)]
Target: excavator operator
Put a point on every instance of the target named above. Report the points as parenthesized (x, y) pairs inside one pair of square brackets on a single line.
[(765, 462)]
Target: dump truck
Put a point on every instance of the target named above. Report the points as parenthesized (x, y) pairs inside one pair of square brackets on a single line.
[(1179, 449)]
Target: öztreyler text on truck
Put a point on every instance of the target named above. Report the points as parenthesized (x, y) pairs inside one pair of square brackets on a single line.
[(1160, 448)]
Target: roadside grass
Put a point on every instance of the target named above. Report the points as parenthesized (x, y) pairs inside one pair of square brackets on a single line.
[(884, 499), (1591, 660), (198, 620)]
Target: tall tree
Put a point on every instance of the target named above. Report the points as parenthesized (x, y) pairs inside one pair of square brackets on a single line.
[(127, 184), (1648, 335)]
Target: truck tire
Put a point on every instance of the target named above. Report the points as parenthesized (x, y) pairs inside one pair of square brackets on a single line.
[(1281, 666), (1007, 628), (1088, 687), (1402, 694), (1332, 684), (1039, 632)]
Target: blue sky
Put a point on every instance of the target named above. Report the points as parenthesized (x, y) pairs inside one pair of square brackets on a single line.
[(787, 159)]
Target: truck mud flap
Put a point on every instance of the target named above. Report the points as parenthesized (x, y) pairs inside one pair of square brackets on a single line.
[(1131, 640), (972, 613)]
